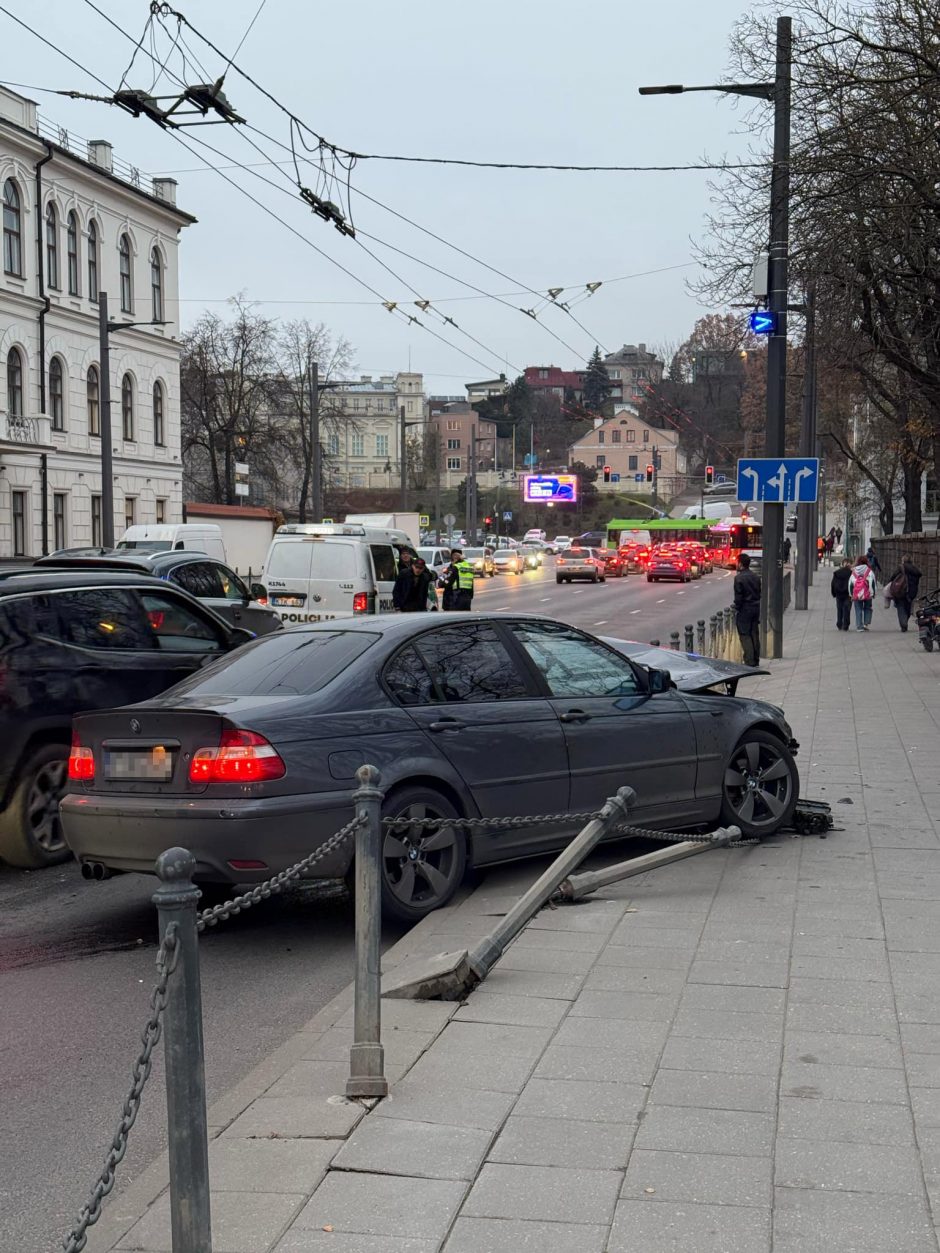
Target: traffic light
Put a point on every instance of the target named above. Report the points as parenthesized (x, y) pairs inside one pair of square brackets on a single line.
[(606, 474), (488, 521), (709, 475), (649, 474)]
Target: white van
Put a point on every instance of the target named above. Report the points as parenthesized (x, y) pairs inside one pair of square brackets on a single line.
[(200, 537), (714, 511), (315, 572)]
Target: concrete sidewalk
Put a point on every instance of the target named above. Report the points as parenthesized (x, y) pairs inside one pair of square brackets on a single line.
[(737, 1053)]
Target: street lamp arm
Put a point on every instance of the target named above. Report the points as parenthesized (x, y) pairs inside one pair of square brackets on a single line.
[(123, 326), (762, 91)]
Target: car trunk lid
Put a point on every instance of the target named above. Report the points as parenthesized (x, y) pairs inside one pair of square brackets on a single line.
[(140, 750)]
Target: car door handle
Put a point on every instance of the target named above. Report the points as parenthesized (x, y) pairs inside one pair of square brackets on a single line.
[(574, 715), (446, 724)]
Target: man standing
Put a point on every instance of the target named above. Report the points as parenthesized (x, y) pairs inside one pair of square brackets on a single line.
[(903, 587), (404, 583), (840, 590), (747, 610), (786, 550)]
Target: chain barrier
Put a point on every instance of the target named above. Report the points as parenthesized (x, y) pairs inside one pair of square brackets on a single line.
[(167, 956), (531, 820), (228, 909)]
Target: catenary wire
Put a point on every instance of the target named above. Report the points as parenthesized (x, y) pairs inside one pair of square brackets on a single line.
[(55, 48)]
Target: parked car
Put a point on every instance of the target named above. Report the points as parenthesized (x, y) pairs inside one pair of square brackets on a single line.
[(614, 567), (208, 580), (72, 640), (665, 563), (581, 563), (482, 561), (508, 561), (250, 763)]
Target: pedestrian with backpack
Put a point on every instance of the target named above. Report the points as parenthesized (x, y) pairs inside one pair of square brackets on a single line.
[(862, 590), (840, 590), (902, 588)]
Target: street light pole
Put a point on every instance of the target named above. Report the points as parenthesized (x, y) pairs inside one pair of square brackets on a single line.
[(316, 486), (805, 514), (104, 422)]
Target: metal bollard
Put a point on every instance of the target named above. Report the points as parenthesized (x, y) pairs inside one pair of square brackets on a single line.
[(367, 1056), (176, 900), (700, 633), (689, 637), (654, 643), (674, 641), (713, 635)]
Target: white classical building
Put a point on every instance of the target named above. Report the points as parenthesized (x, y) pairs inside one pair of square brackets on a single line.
[(362, 428), (77, 223)]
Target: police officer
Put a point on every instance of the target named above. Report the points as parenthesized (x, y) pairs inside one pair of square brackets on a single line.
[(457, 582)]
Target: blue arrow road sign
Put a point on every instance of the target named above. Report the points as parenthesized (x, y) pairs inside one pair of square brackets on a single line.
[(779, 480), (639, 477), (763, 322), (615, 478)]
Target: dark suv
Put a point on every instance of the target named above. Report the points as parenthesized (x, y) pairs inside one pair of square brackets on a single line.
[(73, 641), (202, 576)]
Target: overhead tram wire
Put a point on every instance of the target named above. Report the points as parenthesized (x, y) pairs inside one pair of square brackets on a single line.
[(55, 48)]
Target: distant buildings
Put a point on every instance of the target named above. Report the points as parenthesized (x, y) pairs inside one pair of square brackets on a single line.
[(627, 444), (362, 446), (451, 421), (552, 379), (632, 370)]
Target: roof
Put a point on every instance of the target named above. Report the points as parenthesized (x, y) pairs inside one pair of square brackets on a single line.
[(40, 579), (120, 559), (203, 510)]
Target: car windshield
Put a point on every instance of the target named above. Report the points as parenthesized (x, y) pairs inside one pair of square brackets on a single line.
[(286, 663), (473, 553), (580, 552)]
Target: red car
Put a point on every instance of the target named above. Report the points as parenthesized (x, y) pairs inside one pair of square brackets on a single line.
[(634, 557), (668, 564), (614, 565)]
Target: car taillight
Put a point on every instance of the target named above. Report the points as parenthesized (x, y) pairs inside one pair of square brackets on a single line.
[(561, 561), (361, 602), (81, 762), (241, 757)]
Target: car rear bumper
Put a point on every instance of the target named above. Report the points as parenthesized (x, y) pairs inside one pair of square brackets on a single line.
[(130, 832)]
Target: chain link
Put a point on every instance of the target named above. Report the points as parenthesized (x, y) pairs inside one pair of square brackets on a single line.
[(228, 909), (530, 820), (167, 957)]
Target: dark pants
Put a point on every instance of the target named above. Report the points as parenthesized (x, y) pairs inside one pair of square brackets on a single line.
[(904, 607), (843, 612), (749, 632), (463, 599)]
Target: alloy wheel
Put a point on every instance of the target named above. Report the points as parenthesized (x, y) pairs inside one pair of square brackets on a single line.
[(42, 806), (758, 784), (421, 863)]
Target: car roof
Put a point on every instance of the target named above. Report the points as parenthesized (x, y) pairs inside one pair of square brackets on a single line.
[(120, 559), (407, 624), (46, 579)]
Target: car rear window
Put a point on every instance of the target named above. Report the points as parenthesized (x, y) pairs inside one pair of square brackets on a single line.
[(578, 552), (286, 663)]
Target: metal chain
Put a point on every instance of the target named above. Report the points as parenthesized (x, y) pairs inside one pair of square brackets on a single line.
[(531, 820), (227, 909), (167, 956)]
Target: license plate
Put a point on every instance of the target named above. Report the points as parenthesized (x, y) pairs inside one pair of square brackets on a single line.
[(289, 602), (151, 765)]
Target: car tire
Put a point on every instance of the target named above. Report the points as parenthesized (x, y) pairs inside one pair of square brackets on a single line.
[(649, 578), (30, 828), (927, 643), (417, 878), (559, 579), (603, 578), (760, 757)]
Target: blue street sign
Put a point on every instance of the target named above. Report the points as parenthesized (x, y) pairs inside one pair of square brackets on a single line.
[(790, 480), (530, 459), (507, 515), (615, 478), (763, 322), (721, 479), (639, 477)]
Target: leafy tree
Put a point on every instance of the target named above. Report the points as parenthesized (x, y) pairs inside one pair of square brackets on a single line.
[(595, 391)]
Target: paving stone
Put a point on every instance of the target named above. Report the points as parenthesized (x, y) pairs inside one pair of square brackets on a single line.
[(290, 1117), (629, 1006), (549, 960), (649, 1226), (704, 1178), (546, 1193), (450, 1106), (849, 1021), (844, 1083), (634, 1063), (242, 1222), (746, 1057), (521, 1011), (506, 1235), (742, 974), (921, 1037), (817, 1221), (734, 999), (383, 1205), (303, 1241), (852, 1121), (396, 1146), (269, 1165), (682, 938), (494, 1039), (610, 1033), (566, 941), (634, 979), (715, 1090), (838, 1049), (646, 958), (535, 983), (581, 1099), (402, 1048), (405, 1015), (593, 916), (493, 1073), (871, 970), (839, 947), (720, 1025), (591, 1145), (849, 994), (682, 1129), (739, 952), (831, 1164), (923, 1069)]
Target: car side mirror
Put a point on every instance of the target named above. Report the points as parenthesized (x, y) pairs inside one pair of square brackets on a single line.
[(238, 636), (660, 680)]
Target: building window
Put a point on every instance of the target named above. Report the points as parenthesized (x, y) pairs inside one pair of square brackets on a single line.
[(96, 521), (600, 437), (453, 424), (358, 445), (615, 437), (161, 510), (631, 437), (52, 246), (614, 374), (600, 462), (19, 523), (159, 427), (646, 437), (124, 257), (59, 538), (14, 383), (632, 463), (71, 250), (332, 445), (156, 285), (130, 511), (56, 394), (127, 407), (453, 443), (91, 391), (453, 463), (543, 374), (12, 230), (92, 262), (381, 445)]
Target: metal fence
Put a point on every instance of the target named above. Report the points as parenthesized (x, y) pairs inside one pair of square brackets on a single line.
[(715, 637)]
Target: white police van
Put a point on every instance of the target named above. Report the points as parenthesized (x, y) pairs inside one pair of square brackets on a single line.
[(315, 572)]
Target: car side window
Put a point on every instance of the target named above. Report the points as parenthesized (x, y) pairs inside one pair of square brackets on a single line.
[(469, 663), (408, 680), (232, 588), (176, 627), (572, 664), (108, 618), (200, 579), (383, 559)]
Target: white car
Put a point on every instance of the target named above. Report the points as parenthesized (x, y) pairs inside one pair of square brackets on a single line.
[(508, 561), (561, 542)]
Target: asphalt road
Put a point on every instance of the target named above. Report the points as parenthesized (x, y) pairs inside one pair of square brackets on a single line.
[(76, 964)]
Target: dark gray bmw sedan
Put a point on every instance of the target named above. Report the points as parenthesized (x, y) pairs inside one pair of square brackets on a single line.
[(251, 761)]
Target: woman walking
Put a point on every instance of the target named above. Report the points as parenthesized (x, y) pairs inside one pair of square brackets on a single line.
[(862, 589)]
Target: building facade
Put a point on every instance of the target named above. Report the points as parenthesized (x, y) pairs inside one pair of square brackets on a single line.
[(77, 223), (632, 370), (628, 445), (451, 423), (553, 379), (362, 428)]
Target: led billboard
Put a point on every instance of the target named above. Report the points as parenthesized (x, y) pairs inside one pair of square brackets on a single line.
[(549, 488)]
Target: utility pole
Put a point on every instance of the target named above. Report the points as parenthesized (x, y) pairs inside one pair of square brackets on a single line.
[(806, 513), (316, 484), (437, 485), (472, 487), (104, 418), (403, 457), (655, 476)]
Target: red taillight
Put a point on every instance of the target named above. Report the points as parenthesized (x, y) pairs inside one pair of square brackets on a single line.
[(81, 762), (241, 757), (561, 561), (361, 602), (156, 618)]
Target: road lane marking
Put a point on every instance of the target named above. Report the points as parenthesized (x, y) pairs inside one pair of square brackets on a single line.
[(603, 622), (682, 593), (545, 600), (661, 602), (636, 610), (501, 609)]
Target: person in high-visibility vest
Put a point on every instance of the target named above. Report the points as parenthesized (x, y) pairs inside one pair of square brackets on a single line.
[(457, 582)]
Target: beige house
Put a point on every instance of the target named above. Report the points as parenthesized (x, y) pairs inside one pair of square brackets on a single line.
[(362, 447), (628, 445)]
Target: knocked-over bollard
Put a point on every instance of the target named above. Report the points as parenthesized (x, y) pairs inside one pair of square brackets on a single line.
[(367, 1056), (176, 900)]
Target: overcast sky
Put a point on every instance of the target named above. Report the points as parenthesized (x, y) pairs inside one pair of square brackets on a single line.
[(500, 80)]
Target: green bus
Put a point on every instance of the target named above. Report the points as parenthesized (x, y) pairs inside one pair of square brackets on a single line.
[(660, 530)]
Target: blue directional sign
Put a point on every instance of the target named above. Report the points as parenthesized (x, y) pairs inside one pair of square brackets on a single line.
[(639, 477), (721, 479), (763, 322), (779, 480), (615, 478)]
